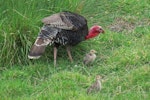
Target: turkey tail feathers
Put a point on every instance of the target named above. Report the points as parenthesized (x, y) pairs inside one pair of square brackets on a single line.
[(36, 52), (45, 37), (38, 48)]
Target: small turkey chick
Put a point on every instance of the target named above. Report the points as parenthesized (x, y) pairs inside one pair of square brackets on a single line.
[(90, 57), (96, 86)]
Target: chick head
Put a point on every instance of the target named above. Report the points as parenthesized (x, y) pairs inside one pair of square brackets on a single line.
[(93, 51), (98, 77)]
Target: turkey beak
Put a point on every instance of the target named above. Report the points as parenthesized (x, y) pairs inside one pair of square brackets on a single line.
[(102, 31), (95, 52)]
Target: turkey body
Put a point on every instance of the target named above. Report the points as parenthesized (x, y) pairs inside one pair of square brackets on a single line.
[(64, 28)]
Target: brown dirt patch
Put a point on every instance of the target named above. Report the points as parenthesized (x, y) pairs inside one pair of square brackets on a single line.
[(122, 24)]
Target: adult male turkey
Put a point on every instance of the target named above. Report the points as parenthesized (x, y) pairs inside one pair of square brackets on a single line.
[(64, 28)]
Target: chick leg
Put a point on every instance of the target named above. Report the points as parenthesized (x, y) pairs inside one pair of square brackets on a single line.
[(55, 55), (69, 53)]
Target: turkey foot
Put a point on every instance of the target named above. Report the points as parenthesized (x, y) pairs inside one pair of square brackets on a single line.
[(55, 56), (69, 54)]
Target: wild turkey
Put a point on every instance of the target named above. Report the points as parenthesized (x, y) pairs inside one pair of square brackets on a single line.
[(64, 28)]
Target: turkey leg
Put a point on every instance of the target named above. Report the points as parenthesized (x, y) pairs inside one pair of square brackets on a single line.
[(55, 55), (69, 53)]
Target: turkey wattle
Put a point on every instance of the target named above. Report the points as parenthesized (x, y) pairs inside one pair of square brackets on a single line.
[(64, 28)]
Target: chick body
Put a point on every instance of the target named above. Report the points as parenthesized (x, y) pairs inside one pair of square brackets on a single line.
[(96, 86), (89, 57)]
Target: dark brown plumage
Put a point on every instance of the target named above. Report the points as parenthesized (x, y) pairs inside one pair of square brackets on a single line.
[(64, 28)]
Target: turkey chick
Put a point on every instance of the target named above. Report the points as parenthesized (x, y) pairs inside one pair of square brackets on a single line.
[(90, 57), (96, 86)]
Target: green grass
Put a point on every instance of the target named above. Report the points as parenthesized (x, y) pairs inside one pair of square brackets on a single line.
[(123, 57)]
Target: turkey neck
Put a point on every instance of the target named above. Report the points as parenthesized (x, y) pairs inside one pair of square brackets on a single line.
[(91, 34)]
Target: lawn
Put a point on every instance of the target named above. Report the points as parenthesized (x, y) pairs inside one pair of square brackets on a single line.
[(123, 52)]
